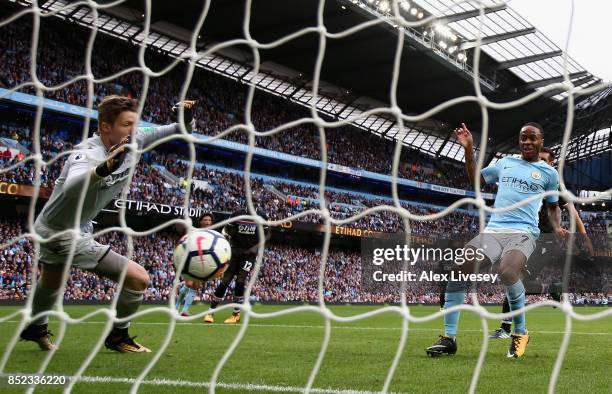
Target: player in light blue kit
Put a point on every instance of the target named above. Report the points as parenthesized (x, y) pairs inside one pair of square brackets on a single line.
[(509, 237)]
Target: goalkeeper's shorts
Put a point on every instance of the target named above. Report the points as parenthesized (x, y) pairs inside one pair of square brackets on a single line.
[(55, 252)]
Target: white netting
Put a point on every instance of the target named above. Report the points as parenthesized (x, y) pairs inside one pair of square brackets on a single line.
[(192, 56)]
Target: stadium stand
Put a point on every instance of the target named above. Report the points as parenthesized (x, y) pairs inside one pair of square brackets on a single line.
[(222, 107), (290, 272)]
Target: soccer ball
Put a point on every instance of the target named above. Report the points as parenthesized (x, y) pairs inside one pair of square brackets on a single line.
[(202, 255)]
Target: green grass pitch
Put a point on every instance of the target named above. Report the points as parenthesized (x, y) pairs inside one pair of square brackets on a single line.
[(277, 354)]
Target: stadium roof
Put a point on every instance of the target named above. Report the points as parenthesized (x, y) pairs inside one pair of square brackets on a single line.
[(357, 68), (510, 40)]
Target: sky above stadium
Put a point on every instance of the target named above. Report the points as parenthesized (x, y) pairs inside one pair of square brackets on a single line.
[(591, 29)]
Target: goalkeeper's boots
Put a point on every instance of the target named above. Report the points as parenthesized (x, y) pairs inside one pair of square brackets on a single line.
[(500, 333), (209, 318), (39, 334), (233, 319), (119, 341), (518, 345), (444, 345)]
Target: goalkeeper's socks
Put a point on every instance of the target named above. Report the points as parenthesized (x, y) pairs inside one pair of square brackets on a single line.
[(451, 320), (516, 296), (181, 296), (44, 300), (127, 304), (188, 299)]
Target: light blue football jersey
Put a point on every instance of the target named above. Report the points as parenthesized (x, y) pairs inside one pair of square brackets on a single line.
[(518, 180)]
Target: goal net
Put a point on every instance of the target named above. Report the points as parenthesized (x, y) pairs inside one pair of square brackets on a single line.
[(165, 69)]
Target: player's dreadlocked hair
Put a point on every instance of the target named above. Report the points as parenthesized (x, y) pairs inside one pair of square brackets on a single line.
[(111, 106)]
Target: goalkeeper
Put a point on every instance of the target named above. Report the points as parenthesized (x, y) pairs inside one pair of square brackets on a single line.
[(96, 171), (244, 240)]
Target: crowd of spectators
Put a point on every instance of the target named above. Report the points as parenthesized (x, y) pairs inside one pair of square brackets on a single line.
[(221, 101), (288, 273), (225, 193), (15, 260), (225, 190), (52, 145)]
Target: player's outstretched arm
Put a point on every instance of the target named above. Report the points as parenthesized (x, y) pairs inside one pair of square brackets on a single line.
[(148, 135), (465, 139)]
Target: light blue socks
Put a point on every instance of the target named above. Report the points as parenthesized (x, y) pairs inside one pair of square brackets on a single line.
[(516, 297), (451, 320), (188, 299), (181, 296)]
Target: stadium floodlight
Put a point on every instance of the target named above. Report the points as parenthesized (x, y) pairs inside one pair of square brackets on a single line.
[(413, 11), (443, 44), (405, 4), (420, 15), (384, 6), (452, 49), (445, 31), (461, 56)]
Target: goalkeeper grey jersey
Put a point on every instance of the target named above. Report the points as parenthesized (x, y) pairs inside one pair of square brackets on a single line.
[(61, 211)]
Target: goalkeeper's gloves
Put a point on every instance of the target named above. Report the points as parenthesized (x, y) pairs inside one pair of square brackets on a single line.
[(188, 106), (117, 156)]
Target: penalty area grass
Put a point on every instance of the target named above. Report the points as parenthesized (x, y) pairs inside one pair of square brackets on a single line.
[(277, 354)]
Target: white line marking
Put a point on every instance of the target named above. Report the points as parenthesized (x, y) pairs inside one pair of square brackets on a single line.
[(302, 326), (230, 386)]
